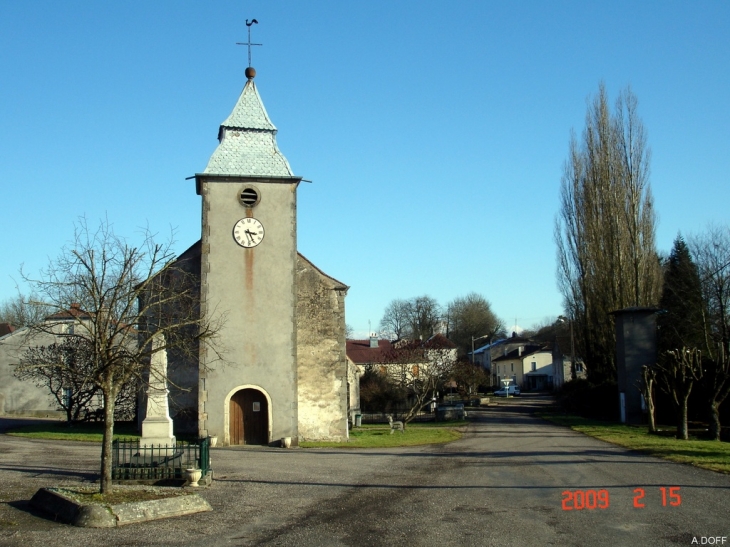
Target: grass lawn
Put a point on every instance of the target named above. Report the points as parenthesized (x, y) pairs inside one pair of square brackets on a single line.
[(378, 436), (368, 436), (713, 455), (61, 431)]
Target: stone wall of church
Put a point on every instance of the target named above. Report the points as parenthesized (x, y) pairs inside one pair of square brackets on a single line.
[(321, 358)]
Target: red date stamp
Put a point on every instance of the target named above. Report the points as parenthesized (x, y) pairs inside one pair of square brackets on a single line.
[(578, 500)]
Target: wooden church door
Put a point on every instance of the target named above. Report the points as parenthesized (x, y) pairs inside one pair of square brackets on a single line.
[(249, 418)]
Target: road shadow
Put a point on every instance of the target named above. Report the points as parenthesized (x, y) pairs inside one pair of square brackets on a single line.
[(24, 506), (11, 422), (363, 485), (54, 471)]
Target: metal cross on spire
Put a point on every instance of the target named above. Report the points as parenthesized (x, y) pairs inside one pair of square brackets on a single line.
[(249, 43)]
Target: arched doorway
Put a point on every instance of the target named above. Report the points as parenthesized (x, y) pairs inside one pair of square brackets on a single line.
[(248, 417)]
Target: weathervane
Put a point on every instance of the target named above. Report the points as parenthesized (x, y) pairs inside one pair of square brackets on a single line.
[(249, 43)]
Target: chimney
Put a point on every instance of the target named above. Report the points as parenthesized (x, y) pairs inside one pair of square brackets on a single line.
[(373, 340), (519, 351)]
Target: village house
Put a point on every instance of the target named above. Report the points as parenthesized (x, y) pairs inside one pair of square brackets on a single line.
[(529, 366)]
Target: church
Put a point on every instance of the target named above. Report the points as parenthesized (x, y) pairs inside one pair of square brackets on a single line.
[(284, 372)]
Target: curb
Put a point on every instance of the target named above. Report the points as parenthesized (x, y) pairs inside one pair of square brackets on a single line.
[(65, 509)]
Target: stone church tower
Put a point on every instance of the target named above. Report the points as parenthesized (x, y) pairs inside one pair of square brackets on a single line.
[(285, 371)]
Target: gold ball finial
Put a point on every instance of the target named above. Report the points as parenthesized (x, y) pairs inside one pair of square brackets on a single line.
[(250, 73)]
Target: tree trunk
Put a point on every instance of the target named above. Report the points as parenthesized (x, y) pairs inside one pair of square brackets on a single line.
[(682, 423), (715, 426), (105, 480), (647, 389), (650, 408)]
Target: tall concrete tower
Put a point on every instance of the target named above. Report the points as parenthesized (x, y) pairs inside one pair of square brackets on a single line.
[(248, 276)]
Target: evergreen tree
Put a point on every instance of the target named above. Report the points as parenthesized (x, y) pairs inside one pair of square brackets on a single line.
[(681, 330), (682, 322)]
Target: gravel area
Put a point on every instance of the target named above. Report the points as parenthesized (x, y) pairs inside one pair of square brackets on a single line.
[(504, 483)]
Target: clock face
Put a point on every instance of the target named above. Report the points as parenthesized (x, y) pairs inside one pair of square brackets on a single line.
[(248, 232)]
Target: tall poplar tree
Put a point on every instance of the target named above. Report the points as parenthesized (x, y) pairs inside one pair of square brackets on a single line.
[(605, 228)]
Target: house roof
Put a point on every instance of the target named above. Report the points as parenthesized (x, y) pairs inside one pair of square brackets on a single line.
[(247, 141), (647, 310), (510, 340), (439, 341), (74, 312), (527, 350), (360, 352)]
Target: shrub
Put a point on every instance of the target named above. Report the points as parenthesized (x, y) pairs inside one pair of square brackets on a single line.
[(597, 401)]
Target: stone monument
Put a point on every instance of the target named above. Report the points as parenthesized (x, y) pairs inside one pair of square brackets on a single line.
[(157, 425)]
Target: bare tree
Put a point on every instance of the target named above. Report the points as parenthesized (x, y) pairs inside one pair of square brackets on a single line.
[(414, 319), (471, 316), (132, 294), (395, 319), (419, 369), (711, 253), (66, 370), (678, 371), (424, 317), (22, 311), (605, 228), (469, 377)]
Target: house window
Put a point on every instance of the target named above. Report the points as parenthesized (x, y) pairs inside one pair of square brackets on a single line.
[(70, 329), (414, 371), (513, 367), (579, 367), (534, 366)]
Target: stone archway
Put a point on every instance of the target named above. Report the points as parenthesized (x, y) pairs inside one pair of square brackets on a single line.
[(248, 417)]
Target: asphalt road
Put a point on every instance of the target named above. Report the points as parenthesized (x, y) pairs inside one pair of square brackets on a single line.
[(504, 483)]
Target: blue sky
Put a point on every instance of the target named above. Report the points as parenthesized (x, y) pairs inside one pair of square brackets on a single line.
[(434, 132)]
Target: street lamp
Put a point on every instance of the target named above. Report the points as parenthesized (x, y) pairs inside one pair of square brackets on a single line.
[(572, 347), (472, 345)]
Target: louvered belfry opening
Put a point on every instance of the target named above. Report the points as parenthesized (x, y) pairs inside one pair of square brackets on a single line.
[(249, 197)]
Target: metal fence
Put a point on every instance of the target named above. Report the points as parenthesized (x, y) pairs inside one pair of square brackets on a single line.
[(130, 461), (370, 417)]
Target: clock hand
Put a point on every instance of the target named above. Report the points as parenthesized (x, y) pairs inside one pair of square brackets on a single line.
[(249, 233)]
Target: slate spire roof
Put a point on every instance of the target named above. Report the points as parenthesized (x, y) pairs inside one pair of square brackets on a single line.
[(247, 140)]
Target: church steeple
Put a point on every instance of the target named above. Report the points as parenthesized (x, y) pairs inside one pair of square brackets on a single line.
[(247, 140)]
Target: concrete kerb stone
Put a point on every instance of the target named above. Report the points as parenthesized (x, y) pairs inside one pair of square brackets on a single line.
[(65, 509)]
